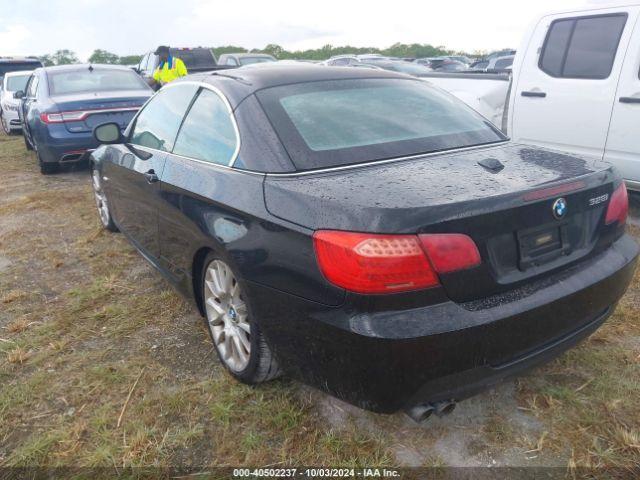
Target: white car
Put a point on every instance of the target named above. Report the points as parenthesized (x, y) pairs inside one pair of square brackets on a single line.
[(11, 83), (348, 60)]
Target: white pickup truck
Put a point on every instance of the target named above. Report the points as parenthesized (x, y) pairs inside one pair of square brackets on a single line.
[(575, 86)]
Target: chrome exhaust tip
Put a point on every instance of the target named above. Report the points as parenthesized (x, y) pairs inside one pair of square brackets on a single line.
[(420, 413)]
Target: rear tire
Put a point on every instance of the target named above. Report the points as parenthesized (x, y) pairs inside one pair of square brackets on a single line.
[(232, 326), (26, 141), (102, 204), (5, 127), (47, 168)]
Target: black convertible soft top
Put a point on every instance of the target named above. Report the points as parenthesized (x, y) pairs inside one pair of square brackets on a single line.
[(238, 83)]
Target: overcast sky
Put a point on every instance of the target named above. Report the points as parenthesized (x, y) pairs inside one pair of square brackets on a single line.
[(35, 27)]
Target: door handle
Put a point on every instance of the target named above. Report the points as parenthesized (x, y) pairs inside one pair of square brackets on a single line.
[(151, 176), (629, 100), (533, 94)]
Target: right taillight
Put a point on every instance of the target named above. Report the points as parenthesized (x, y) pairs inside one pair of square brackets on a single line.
[(373, 263), (618, 206)]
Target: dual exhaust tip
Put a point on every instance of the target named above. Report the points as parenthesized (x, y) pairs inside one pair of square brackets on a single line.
[(420, 413)]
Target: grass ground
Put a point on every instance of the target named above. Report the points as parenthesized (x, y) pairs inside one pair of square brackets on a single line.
[(102, 364)]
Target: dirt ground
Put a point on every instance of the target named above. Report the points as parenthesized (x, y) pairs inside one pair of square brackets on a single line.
[(102, 364)]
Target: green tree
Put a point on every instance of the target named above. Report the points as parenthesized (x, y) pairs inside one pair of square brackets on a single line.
[(274, 50), (102, 56), (130, 60), (217, 51), (64, 57), (46, 60)]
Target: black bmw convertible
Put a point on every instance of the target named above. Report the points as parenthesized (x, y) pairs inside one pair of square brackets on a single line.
[(364, 232)]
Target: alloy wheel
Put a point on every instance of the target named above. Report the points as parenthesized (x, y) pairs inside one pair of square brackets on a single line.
[(101, 199), (227, 316)]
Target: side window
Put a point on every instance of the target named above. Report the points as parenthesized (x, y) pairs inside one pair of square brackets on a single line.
[(582, 47), (231, 61), (151, 65), (33, 87), (143, 63), (208, 132), (157, 125), (504, 63)]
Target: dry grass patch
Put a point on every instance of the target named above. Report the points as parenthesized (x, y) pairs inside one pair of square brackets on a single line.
[(89, 316)]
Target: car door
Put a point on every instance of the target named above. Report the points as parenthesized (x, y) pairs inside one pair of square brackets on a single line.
[(623, 142), (132, 176), (567, 82), (28, 107), (197, 183)]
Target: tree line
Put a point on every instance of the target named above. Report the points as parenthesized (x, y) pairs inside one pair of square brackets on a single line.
[(414, 50)]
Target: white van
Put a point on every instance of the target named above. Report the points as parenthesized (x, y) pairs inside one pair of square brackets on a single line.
[(576, 86)]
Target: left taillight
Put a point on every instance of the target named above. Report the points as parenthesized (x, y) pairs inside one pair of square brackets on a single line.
[(618, 208), (373, 263), (62, 117)]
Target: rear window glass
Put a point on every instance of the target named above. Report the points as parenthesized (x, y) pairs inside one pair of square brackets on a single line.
[(200, 58), (331, 123), (504, 63), (250, 60), (18, 67), (17, 83), (97, 80)]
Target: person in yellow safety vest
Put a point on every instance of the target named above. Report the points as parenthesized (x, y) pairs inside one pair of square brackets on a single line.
[(169, 67)]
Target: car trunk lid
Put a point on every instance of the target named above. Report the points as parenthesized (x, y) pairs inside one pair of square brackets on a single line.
[(502, 197), (101, 107)]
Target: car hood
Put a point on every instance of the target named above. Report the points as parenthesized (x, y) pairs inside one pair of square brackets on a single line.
[(408, 194)]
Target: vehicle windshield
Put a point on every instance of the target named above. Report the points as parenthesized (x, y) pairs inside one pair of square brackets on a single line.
[(16, 83), (251, 60), (18, 67), (341, 122), (97, 80)]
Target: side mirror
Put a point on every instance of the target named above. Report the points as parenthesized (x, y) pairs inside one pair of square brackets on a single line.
[(18, 95), (108, 133)]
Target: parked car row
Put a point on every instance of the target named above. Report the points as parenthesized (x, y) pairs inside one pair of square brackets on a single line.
[(498, 62)]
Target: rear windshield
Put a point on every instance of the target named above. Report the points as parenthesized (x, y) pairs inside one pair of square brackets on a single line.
[(18, 67), (405, 67), (199, 58), (16, 83), (97, 80), (250, 60), (332, 123)]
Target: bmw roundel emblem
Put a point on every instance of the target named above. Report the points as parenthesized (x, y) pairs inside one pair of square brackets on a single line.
[(559, 208)]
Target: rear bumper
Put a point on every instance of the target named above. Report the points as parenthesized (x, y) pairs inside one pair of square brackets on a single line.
[(57, 145), (388, 360)]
